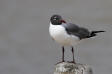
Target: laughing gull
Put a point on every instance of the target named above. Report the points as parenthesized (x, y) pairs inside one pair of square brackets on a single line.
[(68, 34)]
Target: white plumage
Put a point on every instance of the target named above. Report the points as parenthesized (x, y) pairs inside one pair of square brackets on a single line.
[(59, 34)]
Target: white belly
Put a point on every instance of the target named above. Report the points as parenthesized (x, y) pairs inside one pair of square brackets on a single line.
[(59, 34)]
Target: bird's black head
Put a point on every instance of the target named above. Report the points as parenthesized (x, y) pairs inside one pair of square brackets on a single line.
[(57, 20)]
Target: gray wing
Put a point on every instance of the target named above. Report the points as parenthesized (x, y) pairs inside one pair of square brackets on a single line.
[(73, 29)]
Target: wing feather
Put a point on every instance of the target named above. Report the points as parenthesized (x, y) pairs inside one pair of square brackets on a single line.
[(73, 29)]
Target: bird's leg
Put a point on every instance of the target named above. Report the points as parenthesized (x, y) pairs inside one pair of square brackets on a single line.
[(63, 54), (73, 54)]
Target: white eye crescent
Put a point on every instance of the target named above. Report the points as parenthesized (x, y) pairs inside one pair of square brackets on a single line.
[(54, 19)]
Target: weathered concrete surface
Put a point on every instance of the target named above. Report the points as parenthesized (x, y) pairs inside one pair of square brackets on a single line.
[(72, 68)]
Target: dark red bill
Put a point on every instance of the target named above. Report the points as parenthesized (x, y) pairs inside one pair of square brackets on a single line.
[(63, 21)]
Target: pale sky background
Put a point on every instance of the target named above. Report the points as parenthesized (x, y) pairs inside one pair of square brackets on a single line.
[(25, 44)]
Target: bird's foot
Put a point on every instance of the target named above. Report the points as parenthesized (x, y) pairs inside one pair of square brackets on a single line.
[(72, 62), (60, 62), (66, 61)]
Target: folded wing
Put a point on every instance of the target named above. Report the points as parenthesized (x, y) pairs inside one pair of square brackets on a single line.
[(73, 29)]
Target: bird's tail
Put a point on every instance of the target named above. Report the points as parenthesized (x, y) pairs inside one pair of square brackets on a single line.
[(94, 33)]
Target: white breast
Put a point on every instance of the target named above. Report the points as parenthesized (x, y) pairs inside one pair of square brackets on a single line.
[(59, 34)]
